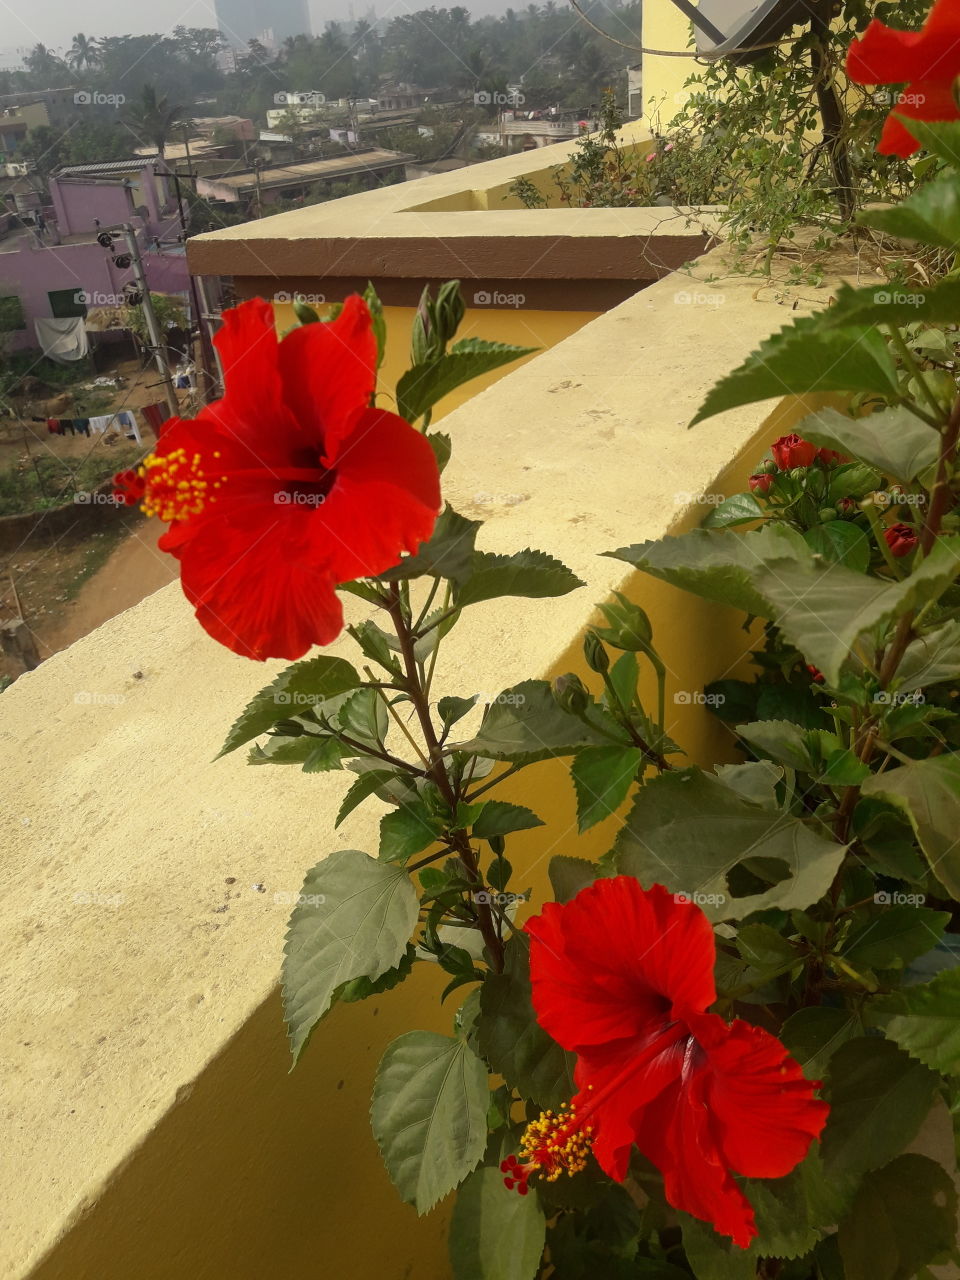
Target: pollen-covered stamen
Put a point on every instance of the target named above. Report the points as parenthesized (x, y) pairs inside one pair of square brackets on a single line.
[(554, 1142), (176, 485)]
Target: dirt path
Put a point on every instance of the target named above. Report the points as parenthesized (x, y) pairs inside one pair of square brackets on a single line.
[(134, 570)]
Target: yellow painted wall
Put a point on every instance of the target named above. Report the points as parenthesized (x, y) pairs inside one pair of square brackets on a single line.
[(664, 27), (516, 325)]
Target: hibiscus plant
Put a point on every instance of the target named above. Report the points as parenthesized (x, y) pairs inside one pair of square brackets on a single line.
[(724, 1049)]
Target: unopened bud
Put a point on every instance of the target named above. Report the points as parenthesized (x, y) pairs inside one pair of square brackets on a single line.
[(629, 627), (826, 514), (596, 655), (304, 312), (571, 694)]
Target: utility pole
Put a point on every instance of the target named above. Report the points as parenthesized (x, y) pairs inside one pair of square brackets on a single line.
[(256, 172), (206, 384), (150, 316)]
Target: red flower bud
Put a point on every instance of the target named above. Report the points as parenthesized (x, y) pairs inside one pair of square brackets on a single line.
[(792, 451), (901, 539), (761, 483), (816, 675), (830, 457)]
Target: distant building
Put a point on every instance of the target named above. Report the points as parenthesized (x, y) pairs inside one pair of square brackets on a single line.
[(369, 168), (635, 92), (401, 97), (269, 21), (51, 264)]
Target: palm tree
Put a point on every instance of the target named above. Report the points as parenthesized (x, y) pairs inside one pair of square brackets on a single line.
[(154, 117), (84, 52)]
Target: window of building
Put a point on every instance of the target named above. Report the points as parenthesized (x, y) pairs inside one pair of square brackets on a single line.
[(65, 303), (11, 314)]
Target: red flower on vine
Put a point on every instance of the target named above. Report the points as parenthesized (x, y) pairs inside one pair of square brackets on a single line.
[(622, 976), (289, 485), (761, 482), (926, 61), (901, 539), (793, 451)]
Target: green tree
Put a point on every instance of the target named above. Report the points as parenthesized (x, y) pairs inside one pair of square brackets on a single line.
[(153, 117)]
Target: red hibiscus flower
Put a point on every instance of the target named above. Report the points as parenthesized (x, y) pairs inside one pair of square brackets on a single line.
[(289, 485), (901, 539), (927, 61), (761, 482), (622, 976), (793, 451)]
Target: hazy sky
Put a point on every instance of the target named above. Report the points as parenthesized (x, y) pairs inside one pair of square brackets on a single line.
[(55, 22)]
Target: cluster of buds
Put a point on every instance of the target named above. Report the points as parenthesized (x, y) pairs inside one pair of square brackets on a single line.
[(792, 456)]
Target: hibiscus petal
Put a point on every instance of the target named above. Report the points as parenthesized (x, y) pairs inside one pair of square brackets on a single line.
[(764, 1114), (613, 963), (386, 497), (924, 101), (675, 1133), (884, 55), (329, 374), (254, 583)]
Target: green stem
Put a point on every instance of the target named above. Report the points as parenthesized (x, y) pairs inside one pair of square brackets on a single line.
[(906, 355)]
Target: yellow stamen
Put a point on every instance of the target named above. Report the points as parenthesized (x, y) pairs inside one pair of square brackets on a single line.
[(176, 487)]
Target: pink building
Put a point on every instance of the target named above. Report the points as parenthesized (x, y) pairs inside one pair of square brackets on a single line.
[(57, 268)]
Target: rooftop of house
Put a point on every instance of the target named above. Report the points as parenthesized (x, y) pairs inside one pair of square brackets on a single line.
[(107, 167), (337, 166)]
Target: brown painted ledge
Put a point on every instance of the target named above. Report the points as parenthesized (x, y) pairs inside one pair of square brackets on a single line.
[(440, 227)]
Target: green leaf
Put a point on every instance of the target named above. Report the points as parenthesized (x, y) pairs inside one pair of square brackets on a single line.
[(930, 214), (824, 609), (741, 508), (762, 947), (805, 357), (526, 724), (532, 574), (712, 1257), (356, 923), (315, 754), (602, 778), (494, 1233), (718, 566), (756, 780), (429, 1114), (364, 786), (497, 818), (928, 793), (903, 1218), (925, 1020), (930, 659), (895, 441), (364, 716), (442, 447), (893, 936), (511, 1039), (454, 709), (300, 686), (896, 304), (840, 542), (782, 740), (879, 1097), (687, 830), (362, 988), (569, 875), (941, 138), (814, 1035), (422, 386), (407, 831), (448, 553)]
